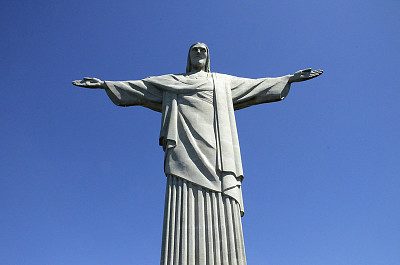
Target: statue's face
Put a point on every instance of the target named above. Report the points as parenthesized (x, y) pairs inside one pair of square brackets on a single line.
[(198, 56)]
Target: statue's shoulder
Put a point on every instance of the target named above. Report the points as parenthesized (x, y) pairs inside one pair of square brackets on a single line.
[(225, 76), (184, 77), (163, 77)]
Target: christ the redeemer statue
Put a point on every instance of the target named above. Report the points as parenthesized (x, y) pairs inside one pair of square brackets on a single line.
[(203, 201)]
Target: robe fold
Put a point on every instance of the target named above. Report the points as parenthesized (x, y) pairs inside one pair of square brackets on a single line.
[(199, 136), (198, 120)]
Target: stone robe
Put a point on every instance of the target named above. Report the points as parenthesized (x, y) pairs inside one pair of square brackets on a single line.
[(198, 131)]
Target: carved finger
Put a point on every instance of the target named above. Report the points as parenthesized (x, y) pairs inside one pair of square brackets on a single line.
[(319, 71), (314, 75), (308, 70)]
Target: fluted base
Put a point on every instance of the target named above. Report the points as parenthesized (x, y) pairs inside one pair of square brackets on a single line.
[(201, 227)]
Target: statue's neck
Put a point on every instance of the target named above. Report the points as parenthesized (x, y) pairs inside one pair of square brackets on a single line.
[(194, 71), (198, 74), (198, 68)]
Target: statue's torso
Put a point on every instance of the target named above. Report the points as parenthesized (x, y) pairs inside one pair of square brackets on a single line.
[(195, 153)]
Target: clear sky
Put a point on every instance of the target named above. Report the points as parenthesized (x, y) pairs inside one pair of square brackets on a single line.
[(82, 180)]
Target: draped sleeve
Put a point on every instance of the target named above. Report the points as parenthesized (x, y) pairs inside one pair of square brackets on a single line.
[(247, 92), (133, 93)]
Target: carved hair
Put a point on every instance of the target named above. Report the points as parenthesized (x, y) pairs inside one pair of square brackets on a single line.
[(189, 64)]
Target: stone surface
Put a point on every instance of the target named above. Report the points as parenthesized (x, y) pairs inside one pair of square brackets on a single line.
[(202, 155)]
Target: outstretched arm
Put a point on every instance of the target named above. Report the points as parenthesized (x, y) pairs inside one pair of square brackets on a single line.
[(89, 82), (247, 92), (304, 75), (126, 93)]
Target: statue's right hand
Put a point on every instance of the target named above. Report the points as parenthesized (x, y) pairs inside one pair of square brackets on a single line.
[(89, 83)]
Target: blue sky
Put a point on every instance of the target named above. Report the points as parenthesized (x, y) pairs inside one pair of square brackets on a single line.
[(82, 180)]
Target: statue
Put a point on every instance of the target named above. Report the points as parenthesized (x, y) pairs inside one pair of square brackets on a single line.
[(203, 201)]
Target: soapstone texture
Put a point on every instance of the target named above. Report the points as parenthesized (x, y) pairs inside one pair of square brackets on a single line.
[(203, 203)]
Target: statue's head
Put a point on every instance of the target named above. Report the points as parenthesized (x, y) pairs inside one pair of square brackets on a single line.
[(198, 58)]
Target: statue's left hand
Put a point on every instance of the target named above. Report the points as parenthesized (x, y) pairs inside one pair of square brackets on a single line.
[(304, 75), (89, 83)]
